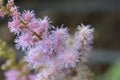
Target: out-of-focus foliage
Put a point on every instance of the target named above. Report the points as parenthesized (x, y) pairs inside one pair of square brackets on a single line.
[(112, 74), (12, 66), (7, 54), (10, 56)]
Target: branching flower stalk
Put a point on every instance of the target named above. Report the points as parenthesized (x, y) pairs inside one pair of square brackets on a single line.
[(49, 50)]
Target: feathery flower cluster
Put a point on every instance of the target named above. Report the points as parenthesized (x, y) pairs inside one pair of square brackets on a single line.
[(47, 47), (84, 38)]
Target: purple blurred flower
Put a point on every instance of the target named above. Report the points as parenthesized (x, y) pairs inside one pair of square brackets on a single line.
[(15, 74)]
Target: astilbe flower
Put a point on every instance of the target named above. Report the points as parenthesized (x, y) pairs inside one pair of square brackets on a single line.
[(83, 37), (46, 47)]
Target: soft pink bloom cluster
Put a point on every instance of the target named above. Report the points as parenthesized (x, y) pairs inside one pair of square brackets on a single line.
[(46, 46), (16, 75)]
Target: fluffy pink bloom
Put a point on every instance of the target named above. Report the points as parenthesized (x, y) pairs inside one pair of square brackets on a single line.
[(60, 34), (33, 24), (28, 15), (39, 26), (84, 36), (11, 74), (14, 75), (48, 46), (14, 25), (35, 56), (68, 58), (44, 23), (14, 8), (47, 74), (48, 43), (31, 77), (24, 41), (15, 14)]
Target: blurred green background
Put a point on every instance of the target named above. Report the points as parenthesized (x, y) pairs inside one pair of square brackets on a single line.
[(103, 15)]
